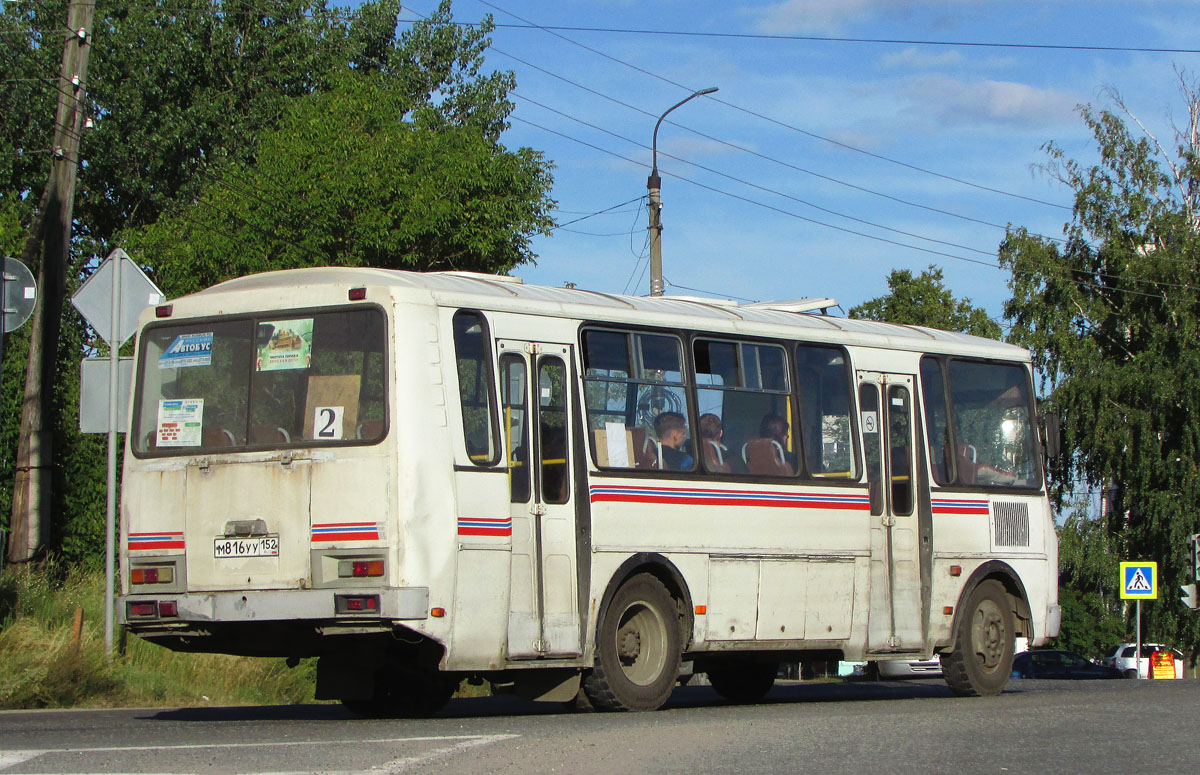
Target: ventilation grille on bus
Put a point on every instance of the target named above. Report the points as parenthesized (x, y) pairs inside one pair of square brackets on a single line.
[(1011, 522)]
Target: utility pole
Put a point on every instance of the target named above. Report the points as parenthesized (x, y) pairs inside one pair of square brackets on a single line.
[(30, 523)]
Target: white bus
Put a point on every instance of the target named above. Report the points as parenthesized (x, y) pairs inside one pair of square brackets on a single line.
[(420, 478)]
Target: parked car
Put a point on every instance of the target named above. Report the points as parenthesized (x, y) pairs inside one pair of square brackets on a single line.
[(920, 668), (1124, 657), (1057, 663)]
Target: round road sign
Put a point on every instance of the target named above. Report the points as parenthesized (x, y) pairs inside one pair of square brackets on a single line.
[(19, 296)]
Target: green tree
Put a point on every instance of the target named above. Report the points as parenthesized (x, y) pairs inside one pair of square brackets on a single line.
[(924, 300), (345, 180), (182, 95), (1112, 318), (1088, 562)]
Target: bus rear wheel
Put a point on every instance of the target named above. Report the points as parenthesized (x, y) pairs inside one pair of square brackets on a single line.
[(637, 648), (743, 682), (982, 659)]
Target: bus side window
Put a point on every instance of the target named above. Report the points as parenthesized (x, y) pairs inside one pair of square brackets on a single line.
[(824, 386), (629, 380), (472, 351), (516, 425)]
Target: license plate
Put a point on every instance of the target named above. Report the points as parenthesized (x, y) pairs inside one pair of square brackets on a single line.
[(263, 546)]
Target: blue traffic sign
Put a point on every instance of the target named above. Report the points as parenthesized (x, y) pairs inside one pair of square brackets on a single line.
[(1139, 580)]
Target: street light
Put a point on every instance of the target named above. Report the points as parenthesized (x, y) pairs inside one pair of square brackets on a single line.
[(654, 187)]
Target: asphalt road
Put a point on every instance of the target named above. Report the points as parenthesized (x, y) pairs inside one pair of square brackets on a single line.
[(1122, 727)]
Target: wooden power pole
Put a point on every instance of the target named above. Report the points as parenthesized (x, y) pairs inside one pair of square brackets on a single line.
[(30, 523)]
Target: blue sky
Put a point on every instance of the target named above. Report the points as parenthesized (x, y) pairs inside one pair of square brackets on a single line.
[(750, 171)]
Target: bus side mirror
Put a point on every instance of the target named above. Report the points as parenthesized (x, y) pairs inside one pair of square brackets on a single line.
[(1052, 430)]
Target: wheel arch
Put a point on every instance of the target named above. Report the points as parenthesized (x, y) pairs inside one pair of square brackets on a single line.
[(996, 570), (665, 571)]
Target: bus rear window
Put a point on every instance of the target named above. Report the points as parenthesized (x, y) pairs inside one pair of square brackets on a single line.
[(275, 380)]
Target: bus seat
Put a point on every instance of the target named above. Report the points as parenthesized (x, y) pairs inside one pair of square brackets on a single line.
[(217, 437), (714, 458), (765, 456), (645, 449), (966, 464), (370, 429), (269, 434)]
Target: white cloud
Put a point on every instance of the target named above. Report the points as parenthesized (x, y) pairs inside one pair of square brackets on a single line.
[(991, 102), (913, 58), (826, 16)]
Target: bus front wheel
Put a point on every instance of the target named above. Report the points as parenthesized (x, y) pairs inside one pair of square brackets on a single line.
[(982, 659), (637, 648)]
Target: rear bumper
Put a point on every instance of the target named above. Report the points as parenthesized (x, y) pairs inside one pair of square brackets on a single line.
[(405, 603)]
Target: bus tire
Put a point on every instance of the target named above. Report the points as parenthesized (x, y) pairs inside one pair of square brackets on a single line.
[(638, 648), (982, 659), (743, 682)]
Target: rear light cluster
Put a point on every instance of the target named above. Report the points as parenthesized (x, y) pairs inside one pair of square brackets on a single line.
[(151, 609), (152, 575), (359, 569), (356, 604)]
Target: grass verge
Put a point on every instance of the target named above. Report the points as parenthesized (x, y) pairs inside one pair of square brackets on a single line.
[(46, 666)]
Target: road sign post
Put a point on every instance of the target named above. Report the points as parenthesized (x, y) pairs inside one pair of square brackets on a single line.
[(1139, 581), (111, 300)]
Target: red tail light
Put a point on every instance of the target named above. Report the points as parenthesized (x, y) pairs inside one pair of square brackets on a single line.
[(356, 604), (143, 609)]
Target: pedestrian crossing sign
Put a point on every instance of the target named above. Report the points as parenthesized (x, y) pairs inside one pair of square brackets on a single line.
[(1139, 580)]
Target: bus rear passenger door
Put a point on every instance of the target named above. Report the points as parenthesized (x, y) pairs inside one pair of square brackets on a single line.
[(896, 619), (535, 385)]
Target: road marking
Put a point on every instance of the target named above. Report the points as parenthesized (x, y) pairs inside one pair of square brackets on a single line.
[(12, 758)]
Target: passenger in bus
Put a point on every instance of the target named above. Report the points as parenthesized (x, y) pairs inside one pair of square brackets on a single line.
[(769, 453), (716, 454), (671, 429)]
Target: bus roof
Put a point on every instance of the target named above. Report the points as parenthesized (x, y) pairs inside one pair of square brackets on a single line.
[(511, 294)]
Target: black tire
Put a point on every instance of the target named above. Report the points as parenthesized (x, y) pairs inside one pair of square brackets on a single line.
[(981, 662), (1130, 674), (743, 682), (638, 648), (405, 692)]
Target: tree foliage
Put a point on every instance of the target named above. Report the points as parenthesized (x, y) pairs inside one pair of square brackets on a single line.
[(186, 96), (1089, 593), (345, 181), (1112, 318), (924, 300)]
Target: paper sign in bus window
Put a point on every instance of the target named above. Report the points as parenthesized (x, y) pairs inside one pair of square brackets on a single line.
[(870, 422), (288, 345), (327, 424), (188, 350), (179, 422)]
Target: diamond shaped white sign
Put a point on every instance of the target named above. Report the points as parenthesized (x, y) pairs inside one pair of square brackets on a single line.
[(94, 297)]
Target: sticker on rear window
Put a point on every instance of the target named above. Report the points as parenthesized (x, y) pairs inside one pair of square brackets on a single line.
[(284, 344), (179, 422), (188, 350)]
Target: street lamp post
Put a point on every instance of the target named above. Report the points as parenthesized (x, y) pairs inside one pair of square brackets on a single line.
[(654, 188)]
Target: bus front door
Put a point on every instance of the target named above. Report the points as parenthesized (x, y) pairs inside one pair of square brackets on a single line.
[(896, 617), (535, 386)]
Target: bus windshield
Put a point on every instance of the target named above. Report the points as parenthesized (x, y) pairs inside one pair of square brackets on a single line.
[(271, 380)]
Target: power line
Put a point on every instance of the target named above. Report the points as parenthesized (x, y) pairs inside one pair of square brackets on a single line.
[(758, 154), (990, 265), (598, 212), (876, 41), (782, 124), (763, 204), (761, 188)]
